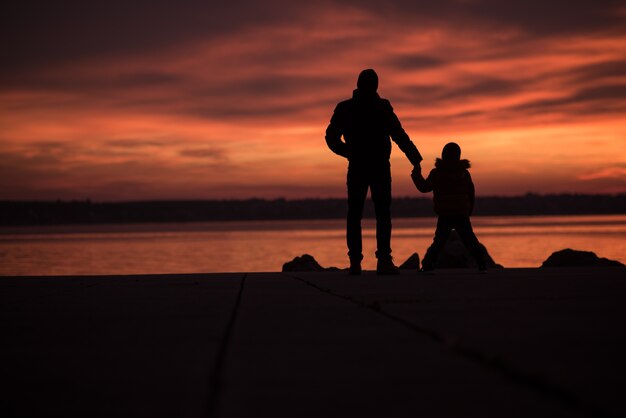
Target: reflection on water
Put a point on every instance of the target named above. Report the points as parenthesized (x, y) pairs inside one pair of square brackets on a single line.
[(266, 245)]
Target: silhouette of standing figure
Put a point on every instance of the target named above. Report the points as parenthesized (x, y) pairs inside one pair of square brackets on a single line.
[(366, 122)]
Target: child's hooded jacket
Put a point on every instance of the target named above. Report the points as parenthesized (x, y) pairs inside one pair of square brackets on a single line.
[(452, 187)]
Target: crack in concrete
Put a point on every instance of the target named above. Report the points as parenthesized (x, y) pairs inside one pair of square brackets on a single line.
[(217, 369), (494, 363)]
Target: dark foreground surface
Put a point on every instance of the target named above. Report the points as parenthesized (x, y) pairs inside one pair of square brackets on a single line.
[(511, 343)]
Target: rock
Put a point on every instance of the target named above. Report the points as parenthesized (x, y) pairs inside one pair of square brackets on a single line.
[(411, 263), (455, 255), (305, 262), (575, 258)]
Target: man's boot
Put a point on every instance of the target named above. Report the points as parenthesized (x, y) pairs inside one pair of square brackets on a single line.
[(386, 267), (355, 267)]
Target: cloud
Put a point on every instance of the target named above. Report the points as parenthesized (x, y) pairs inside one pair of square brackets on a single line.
[(536, 17), (473, 90), (588, 101), (598, 71), (45, 35), (416, 61), (49, 35), (613, 172), (134, 143), (162, 99), (203, 153)]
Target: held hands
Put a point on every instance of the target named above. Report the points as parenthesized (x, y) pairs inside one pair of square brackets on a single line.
[(419, 181), (417, 169), (416, 175)]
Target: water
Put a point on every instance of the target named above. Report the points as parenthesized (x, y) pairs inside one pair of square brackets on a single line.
[(265, 245)]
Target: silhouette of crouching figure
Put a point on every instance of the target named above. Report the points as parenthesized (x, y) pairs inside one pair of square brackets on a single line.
[(453, 199)]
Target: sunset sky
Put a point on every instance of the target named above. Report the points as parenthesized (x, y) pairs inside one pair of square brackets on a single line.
[(137, 100)]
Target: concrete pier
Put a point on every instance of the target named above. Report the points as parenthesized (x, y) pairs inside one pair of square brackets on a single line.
[(509, 343)]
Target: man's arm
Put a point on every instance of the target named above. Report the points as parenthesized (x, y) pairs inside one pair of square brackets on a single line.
[(422, 184), (333, 134), (471, 192), (400, 137)]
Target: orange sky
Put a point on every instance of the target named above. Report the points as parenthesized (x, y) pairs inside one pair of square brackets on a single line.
[(176, 102)]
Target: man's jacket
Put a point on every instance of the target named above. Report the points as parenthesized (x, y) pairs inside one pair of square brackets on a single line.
[(366, 122)]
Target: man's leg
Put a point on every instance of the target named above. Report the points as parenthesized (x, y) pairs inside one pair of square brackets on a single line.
[(381, 195), (466, 233), (357, 192), (444, 227)]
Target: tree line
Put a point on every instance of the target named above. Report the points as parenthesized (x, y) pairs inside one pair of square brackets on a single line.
[(88, 212)]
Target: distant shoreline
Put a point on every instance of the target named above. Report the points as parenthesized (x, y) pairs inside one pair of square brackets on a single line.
[(15, 213)]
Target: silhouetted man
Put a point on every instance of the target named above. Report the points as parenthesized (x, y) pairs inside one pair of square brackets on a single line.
[(366, 122)]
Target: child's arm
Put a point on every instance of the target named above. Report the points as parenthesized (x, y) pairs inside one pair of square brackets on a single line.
[(422, 184)]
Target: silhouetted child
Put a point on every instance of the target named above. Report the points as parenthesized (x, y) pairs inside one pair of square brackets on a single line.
[(453, 198)]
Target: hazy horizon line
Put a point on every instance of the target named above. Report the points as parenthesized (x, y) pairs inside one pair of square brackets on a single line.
[(273, 199)]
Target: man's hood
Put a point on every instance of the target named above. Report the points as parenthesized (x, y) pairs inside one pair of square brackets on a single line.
[(361, 94)]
